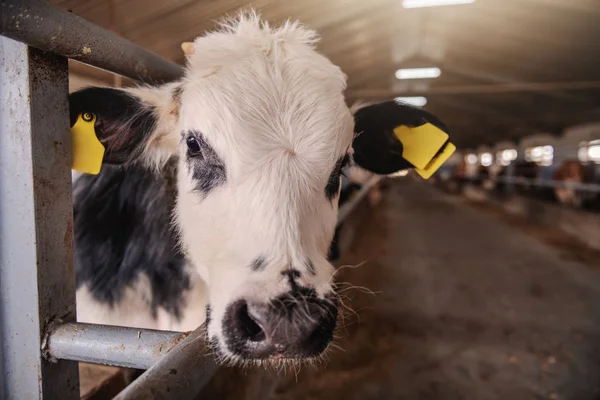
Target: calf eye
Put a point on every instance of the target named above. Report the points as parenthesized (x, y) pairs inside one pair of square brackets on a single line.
[(333, 184), (345, 161), (193, 145)]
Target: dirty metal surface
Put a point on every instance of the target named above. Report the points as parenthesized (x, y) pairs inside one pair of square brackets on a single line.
[(110, 345), (465, 307), (37, 280), (50, 28), (180, 374)]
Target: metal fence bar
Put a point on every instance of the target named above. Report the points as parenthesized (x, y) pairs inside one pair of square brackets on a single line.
[(36, 234), (584, 187), (181, 374), (110, 345), (347, 208), (517, 180), (49, 28)]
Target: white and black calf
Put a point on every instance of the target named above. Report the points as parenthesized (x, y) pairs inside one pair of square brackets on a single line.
[(217, 200)]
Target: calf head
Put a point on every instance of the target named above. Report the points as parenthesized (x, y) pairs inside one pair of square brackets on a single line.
[(261, 130)]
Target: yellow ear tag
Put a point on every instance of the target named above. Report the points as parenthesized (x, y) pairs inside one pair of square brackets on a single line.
[(420, 146), (87, 150)]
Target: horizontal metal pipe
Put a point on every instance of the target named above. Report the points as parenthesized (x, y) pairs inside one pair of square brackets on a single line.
[(477, 89), (109, 345), (49, 28), (181, 374), (349, 206)]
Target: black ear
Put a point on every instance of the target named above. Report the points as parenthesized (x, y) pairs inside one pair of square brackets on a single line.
[(124, 123), (376, 147)]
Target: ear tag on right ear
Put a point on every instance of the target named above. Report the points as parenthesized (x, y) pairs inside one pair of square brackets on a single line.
[(421, 146), (87, 150)]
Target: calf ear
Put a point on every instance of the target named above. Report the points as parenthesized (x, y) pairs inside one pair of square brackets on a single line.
[(134, 125), (390, 137)]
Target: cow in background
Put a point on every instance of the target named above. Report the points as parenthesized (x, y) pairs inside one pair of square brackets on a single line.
[(575, 171)]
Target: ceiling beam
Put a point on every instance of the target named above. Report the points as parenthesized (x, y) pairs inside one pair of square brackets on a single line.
[(490, 77)]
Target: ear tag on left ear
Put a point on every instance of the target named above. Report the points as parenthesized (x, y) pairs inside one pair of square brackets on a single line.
[(422, 145), (87, 150)]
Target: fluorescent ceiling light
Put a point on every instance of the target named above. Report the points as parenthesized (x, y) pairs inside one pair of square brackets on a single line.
[(594, 152), (543, 155), (418, 101), (418, 73), (486, 159), (433, 3), (505, 157), (471, 159), (510, 154)]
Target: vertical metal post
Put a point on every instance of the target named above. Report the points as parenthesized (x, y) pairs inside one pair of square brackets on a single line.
[(37, 283)]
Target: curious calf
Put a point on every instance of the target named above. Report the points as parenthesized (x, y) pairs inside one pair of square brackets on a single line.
[(217, 200)]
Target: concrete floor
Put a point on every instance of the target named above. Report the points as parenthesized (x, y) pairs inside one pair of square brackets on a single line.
[(470, 307)]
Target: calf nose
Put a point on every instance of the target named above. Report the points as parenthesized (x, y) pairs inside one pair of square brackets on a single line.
[(295, 325)]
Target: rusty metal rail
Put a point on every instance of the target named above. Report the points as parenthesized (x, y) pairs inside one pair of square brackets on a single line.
[(49, 28)]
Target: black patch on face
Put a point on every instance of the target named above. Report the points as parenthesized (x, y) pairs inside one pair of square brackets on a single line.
[(259, 264), (208, 169), (310, 267), (334, 252), (123, 231), (333, 183), (123, 123), (334, 248)]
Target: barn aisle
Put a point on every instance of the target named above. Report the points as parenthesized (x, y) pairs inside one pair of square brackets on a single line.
[(469, 308)]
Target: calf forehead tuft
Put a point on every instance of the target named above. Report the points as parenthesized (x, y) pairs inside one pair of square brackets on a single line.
[(248, 31), (248, 24), (248, 38)]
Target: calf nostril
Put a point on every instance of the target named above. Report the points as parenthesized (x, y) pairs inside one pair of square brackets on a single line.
[(250, 329)]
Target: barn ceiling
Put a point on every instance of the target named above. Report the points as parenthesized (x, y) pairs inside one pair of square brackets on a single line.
[(510, 68)]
